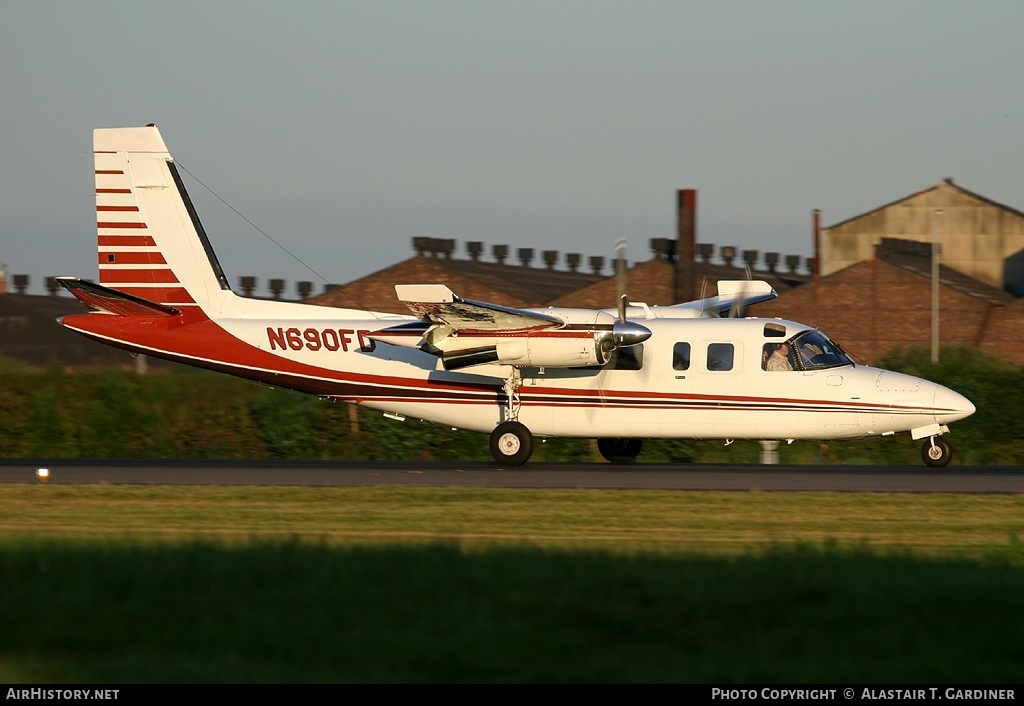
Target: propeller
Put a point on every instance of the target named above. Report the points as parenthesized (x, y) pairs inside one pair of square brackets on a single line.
[(625, 333)]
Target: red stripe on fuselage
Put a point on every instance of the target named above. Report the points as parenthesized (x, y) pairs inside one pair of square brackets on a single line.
[(118, 224), (523, 333), (206, 344)]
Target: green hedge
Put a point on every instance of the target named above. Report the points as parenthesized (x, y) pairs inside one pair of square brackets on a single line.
[(185, 414)]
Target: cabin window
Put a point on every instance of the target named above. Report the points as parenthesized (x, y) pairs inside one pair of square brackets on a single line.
[(774, 330), (720, 356), (681, 356), (628, 358)]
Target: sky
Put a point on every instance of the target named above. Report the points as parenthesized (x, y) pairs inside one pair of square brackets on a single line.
[(319, 138)]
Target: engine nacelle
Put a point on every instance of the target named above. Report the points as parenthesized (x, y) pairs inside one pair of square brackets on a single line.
[(533, 351)]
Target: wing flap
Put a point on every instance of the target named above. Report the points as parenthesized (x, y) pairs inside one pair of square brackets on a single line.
[(440, 305)]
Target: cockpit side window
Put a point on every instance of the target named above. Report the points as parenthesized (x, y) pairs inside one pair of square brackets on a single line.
[(817, 352)]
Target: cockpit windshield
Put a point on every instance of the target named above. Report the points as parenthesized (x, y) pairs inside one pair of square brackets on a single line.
[(817, 352)]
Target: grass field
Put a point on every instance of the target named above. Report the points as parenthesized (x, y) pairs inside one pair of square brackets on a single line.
[(135, 584)]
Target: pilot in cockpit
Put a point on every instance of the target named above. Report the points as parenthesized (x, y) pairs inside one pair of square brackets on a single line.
[(779, 359)]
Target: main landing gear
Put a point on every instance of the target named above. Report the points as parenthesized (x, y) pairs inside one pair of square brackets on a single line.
[(511, 441), (511, 444), (619, 450), (936, 452)]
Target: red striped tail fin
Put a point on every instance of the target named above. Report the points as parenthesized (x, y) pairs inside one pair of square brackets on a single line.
[(150, 243)]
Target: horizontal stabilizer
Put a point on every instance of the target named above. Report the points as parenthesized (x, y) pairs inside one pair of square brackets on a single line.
[(112, 301)]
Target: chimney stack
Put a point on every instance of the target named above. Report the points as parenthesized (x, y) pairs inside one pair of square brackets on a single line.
[(276, 287), (728, 254), (750, 258), (525, 256), (500, 253), (20, 283), (248, 284), (597, 263), (686, 242), (572, 261), (550, 258), (816, 227), (659, 246), (474, 248), (305, 289)]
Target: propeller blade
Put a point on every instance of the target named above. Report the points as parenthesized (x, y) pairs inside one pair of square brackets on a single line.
[(625, 333), (620, 277)]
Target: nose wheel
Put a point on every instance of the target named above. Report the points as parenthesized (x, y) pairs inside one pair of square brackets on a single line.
[(936, 452)]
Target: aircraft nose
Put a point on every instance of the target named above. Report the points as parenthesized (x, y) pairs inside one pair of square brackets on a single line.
[(951, 406)]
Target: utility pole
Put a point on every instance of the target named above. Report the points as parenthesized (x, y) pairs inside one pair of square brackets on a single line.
[(936, 250)]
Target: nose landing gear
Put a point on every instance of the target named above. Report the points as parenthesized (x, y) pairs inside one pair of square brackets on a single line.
[(936, 452)]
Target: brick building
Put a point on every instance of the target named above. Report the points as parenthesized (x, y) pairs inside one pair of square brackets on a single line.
[(984, 239), (885, 302)]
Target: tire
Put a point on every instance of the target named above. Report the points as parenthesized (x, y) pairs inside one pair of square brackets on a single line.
[(619, 450), (511, 444), (939, 455)]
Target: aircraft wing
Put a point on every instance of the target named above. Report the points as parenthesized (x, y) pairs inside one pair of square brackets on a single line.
[(440, 305), (738, 294), (467, 334)]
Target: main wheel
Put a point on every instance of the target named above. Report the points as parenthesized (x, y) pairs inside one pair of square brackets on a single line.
[(619, 450), (936, 452), (511, 444)]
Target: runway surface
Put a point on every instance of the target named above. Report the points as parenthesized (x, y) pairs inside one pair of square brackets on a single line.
[(904, 479)]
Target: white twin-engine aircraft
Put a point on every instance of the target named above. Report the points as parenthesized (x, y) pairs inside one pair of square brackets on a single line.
[(618, 375)]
